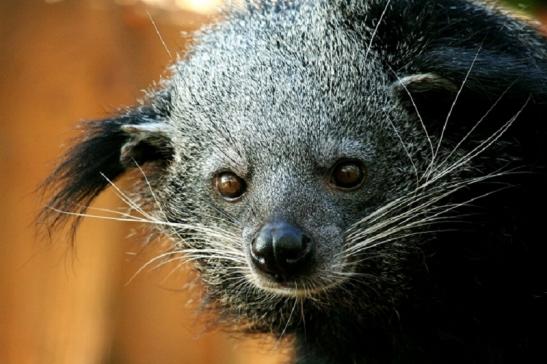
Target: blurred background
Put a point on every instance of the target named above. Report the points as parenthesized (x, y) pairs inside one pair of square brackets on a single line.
[(62, 61)]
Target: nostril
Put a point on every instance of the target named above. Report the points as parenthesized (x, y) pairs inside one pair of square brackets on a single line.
[(294, 251)]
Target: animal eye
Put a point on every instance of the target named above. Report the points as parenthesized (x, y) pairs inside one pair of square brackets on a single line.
[(229, 185), (348, 175)]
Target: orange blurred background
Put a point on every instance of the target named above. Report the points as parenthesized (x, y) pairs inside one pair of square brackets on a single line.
[(61, 62)]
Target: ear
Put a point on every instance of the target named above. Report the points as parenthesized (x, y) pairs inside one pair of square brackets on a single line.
[(145, 142), (491, 57), (473, 83), (425, 95), (107, 150)]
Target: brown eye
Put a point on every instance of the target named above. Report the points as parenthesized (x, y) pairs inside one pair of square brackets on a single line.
[(348, 175), (229, 185)]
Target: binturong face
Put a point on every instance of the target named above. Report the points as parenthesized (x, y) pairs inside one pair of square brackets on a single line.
[(286, 174), (296, 164), (280, 160)]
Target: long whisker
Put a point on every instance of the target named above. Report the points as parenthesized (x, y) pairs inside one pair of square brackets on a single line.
[(159, 35), (147, 264), (470, 132), (124, 197), (288, 322), (373, 36), (487, 143), (439, 143), (158, 204), (418, 114), (412, 224)]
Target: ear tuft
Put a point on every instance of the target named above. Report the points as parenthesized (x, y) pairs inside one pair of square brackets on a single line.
[(108, 149)]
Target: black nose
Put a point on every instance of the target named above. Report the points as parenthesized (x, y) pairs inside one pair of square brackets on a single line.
[(282, 251)]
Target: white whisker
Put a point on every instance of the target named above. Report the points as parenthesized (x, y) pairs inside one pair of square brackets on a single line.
[(470, 132), (439, 143), (373, 36), (159, 35), (418, 114)]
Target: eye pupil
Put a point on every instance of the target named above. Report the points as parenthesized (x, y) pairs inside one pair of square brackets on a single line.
[(229, 185), (348, 175)]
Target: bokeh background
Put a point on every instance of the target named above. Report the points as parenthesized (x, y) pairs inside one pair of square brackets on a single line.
[(62, 61)]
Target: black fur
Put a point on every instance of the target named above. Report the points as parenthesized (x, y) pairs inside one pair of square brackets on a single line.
[(95, 161)]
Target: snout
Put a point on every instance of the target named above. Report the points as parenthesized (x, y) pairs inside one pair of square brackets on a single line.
[(282, 251)]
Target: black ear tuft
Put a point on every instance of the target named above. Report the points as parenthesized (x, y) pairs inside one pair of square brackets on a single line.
[(108, 149)]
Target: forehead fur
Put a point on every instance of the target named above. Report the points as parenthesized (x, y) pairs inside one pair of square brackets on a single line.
[(290, 74)]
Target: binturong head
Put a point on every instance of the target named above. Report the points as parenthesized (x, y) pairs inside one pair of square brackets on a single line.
[(309, 153)]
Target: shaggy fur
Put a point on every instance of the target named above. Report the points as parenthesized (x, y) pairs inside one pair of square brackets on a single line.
[(440, 257)]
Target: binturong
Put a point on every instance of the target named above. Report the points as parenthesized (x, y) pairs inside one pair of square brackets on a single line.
[(367, 178)]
